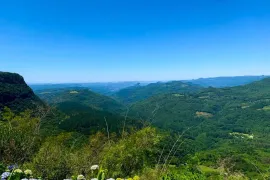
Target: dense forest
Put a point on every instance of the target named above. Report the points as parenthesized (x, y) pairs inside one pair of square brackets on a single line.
[(159, 131)]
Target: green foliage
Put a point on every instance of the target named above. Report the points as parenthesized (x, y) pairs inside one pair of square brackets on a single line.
[(61, 156), (51, 161), (83, 157), (19, 136), (129, 156), (2, 168)]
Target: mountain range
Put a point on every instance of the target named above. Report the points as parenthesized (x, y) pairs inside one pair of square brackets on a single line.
[(228, 123)]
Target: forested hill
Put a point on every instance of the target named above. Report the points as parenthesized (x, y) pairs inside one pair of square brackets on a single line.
[(232, 123), (242, 107), (138, 92), (87, 111), (16, 94), (81, 96)]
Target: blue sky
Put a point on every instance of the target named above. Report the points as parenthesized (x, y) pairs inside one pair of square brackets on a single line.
[(104, 40)]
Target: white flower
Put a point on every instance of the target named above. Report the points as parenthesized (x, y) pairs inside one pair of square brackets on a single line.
[(94, 167), (94, 179), (81, 177), (17, 171), (5, 175), (111, 179), (24, 179), (28, 172)]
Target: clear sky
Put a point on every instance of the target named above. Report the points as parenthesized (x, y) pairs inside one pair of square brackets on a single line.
[(118, 40)]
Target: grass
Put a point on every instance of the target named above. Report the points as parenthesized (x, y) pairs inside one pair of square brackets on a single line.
[(266, 108), (242, 135), (203, 97), (178, 95), (208, 170), (45, 93), (204, 114), (73, 92)]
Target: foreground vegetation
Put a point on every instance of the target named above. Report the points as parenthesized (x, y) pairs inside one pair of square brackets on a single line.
[(148, 153)]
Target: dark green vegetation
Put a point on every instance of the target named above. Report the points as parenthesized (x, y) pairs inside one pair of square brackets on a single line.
[(81, 96), (169, 131), (87, 112), (87, 120), (229, 123), (138, 92), (15, 94)]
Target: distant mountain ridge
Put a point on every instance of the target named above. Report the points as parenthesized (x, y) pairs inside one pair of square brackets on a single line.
[(16, 94), (101, 88), (226, 81), (137, 93), (111, 88)]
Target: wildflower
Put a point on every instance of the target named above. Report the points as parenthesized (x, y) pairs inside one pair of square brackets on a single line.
[(24, 179), (17, 171), (94, 167), (5, 175), (28, 172), (81, 177), (129, 179), (11, 167), (136, 178), (111, 179), (94, 179), (119, 179)]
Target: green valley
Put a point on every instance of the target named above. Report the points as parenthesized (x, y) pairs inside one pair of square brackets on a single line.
[(169, 131)]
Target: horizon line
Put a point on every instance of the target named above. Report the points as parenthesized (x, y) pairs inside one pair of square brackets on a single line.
[(138, 81)]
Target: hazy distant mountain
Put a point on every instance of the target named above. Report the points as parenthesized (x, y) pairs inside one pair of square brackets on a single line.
[(225, 81), (101, 88), (16, 94)]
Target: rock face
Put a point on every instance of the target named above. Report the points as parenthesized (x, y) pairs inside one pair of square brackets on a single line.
[(16, 94)]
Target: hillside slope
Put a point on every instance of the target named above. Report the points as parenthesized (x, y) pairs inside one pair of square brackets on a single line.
[(88, 120), (16, 94), (81, 96), (88, 112), (242, 109), (138, 92)]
